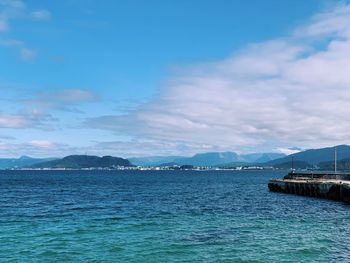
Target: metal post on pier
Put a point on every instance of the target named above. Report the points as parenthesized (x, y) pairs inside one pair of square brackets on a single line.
[(335, 161)]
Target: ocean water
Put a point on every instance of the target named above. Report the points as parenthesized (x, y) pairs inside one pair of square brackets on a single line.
[(161, 216)]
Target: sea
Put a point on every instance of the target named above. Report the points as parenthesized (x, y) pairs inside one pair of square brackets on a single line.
[(165, 216)]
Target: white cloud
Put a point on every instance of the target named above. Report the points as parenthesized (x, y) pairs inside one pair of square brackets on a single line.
[(16, 9), (3, 25), (60, 99), (41, 15), (11, 43), (27, 54), (282, 92), (23, 111), (9, 10), (12, 121), (289, 151), (15, 4), (74, 95), (35, 148), (330, 22), (42, 144), (23, 120)]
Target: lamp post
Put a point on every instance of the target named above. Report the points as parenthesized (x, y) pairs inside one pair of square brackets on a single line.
[(335, 162)]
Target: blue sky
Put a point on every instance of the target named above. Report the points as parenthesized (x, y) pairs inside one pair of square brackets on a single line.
[(138, 78)]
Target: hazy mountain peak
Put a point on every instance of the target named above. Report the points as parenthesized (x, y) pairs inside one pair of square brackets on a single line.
[(207, 159)]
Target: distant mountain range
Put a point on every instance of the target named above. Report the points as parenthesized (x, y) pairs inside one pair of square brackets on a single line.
[(322, 158), (7, 163), (207, 159), (83, 161), (314, 158), (154, 160)]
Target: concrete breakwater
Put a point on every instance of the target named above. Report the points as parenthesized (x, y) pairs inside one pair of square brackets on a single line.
[(321, 185)]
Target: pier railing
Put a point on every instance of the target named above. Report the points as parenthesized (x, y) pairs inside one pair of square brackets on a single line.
[(318, 175)]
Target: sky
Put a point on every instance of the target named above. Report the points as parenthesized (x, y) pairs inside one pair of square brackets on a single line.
[(143, 78)]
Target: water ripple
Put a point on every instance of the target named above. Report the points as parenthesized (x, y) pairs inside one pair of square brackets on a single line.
[(181, 216)]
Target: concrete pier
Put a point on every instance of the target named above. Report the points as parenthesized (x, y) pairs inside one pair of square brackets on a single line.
[(321, 185)]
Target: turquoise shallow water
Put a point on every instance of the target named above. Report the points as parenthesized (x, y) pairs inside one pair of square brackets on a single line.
[(179, 216)]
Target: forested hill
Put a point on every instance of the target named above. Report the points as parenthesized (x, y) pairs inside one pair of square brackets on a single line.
[(84, 161)]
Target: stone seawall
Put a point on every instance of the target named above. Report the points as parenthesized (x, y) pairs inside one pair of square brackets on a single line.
[(338, 190)]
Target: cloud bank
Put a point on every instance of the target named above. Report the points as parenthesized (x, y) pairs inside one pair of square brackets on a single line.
[(36, 110), (60, 99), (23, 120), (288, 91)]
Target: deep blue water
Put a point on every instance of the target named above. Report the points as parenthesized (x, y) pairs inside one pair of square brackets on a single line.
[(161, 216)]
